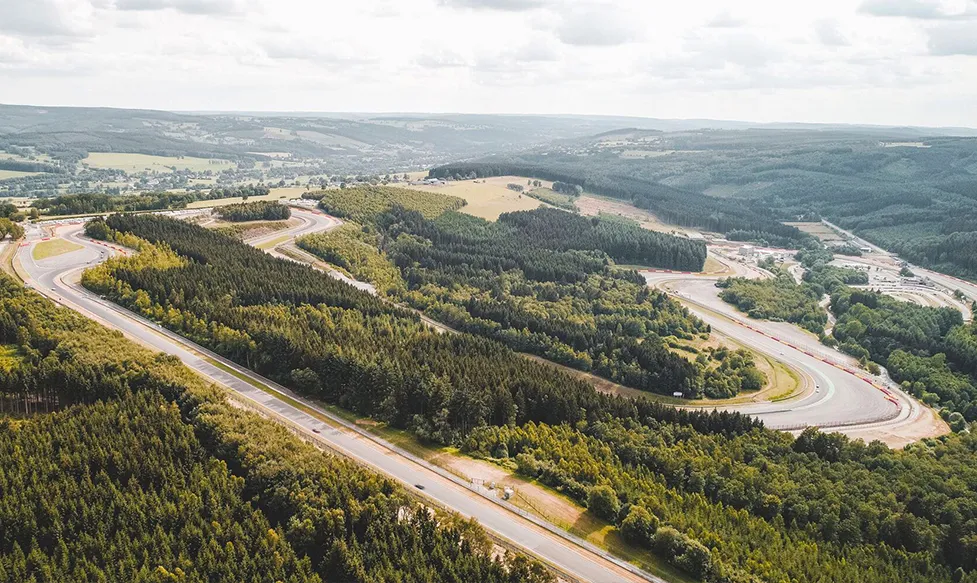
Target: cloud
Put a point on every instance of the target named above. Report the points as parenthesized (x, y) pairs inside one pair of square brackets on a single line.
[(918, 9), (728, 54), (504, 5), (47, 18), (953, 39), (524, 58), (830, 34), (441, 60), (598, 26), (725, 20), (202, 7), (296, 48)]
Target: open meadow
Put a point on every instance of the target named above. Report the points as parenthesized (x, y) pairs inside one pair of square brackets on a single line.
[(487, 197), (143, 163), (7, 174)]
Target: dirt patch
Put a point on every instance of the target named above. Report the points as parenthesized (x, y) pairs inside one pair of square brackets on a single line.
[(591, 206), (819, 230)]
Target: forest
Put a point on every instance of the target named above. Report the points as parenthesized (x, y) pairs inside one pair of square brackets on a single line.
[(254, 211), (910, 194), (301, 327), (79, 204), (672, 205), (713, 493), (363, 204), (779, 299), (782, 299), (541, 282), (219, 494)]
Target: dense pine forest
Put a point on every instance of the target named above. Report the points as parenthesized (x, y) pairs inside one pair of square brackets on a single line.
[(542, 282), (216, 493), (332, 341), (714, 494), (364, 203), (254, 211)]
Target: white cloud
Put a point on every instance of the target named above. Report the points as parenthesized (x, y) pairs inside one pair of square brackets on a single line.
[(725, 20), (47, 18), (510, 5), (597, 25), (921, 9), (830, 34), (953, 39), (201, 7), (834, 60)]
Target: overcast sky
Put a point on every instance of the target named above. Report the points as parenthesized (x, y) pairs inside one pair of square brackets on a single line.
[(860, 61)]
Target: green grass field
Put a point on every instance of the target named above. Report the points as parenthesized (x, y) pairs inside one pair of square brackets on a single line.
[(142, 163), (7, 174), (53, 248)]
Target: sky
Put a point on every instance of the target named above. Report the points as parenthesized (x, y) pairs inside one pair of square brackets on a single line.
[(895, 62)]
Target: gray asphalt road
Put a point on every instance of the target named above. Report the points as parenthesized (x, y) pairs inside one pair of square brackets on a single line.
[(842, 395), (579, 559)]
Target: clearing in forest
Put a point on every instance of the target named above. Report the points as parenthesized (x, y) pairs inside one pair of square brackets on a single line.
[(487, 197)]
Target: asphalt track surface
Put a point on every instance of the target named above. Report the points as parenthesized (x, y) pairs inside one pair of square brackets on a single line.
[(843, 395), (56, 277)]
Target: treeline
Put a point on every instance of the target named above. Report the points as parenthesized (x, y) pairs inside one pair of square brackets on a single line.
[(216, 493), (622, 241), (79, 204), (254, 211), (672, 205), (567, 188), (331, 341), (364, 203), (763, 506), (27, 166), (244, 191)]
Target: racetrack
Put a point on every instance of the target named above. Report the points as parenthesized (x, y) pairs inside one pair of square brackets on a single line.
[(844, 398), (57, 277)]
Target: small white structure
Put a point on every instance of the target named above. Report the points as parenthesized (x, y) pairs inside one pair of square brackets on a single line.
[(747, 251)]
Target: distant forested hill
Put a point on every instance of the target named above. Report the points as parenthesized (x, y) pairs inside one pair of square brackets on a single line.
[(351, 143), (914, 195)]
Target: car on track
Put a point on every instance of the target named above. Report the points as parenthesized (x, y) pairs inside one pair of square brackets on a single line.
[(419, 486)]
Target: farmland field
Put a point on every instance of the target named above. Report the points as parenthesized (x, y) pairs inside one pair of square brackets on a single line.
[(6, 174), (140, 163), (488, 198)]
